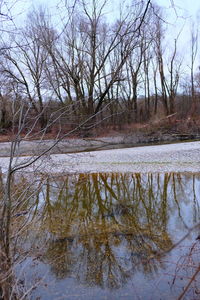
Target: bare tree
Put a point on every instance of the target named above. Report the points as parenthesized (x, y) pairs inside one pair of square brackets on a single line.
[(159, 54), (174, 71), (193, 55), (25, 65), (89, 45), (89, 66)]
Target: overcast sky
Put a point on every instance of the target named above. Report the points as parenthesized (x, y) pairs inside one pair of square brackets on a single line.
[(178, 13), (182, 8), (182, 13), (190, 7)]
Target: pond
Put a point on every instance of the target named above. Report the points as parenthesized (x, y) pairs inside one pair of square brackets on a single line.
[(111, 236)]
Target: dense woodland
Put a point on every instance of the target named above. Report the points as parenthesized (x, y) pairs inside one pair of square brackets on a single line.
[(91, 70)]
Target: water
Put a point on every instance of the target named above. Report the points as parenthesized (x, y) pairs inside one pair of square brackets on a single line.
[(112, 236)]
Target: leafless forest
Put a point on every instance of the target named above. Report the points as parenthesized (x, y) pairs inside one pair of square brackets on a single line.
[(111, 72), (84, 72)]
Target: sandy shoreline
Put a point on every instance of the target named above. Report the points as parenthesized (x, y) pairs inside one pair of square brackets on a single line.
[(181, 157)]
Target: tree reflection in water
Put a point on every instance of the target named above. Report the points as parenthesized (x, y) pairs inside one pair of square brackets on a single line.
[(106, 230), (103, 228)]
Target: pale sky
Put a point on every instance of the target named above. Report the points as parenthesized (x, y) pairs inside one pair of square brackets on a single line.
[(186, 8), (189, 7), (177, 13), (181, 14)]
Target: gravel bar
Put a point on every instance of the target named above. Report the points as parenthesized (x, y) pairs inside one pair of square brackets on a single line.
[(181, 157)]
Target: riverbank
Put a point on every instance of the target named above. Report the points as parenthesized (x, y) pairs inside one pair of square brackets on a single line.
[(181, 157), (74, 145)]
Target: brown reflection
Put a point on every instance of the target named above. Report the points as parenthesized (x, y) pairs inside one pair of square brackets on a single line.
[(101, 228)]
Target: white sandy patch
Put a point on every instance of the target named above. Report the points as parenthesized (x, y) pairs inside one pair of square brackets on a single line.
[(182, 157)]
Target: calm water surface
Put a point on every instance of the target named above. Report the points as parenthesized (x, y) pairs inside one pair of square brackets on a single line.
[(113, 236)]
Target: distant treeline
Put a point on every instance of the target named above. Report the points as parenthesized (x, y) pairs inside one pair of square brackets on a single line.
[(95, 69)]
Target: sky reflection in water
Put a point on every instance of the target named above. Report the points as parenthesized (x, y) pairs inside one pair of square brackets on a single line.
[(107, 236)]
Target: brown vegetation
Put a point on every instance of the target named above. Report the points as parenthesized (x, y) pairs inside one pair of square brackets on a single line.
[(89, 77), (115, 75)]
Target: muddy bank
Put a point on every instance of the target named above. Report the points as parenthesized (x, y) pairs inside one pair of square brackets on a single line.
[(159, 138)]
